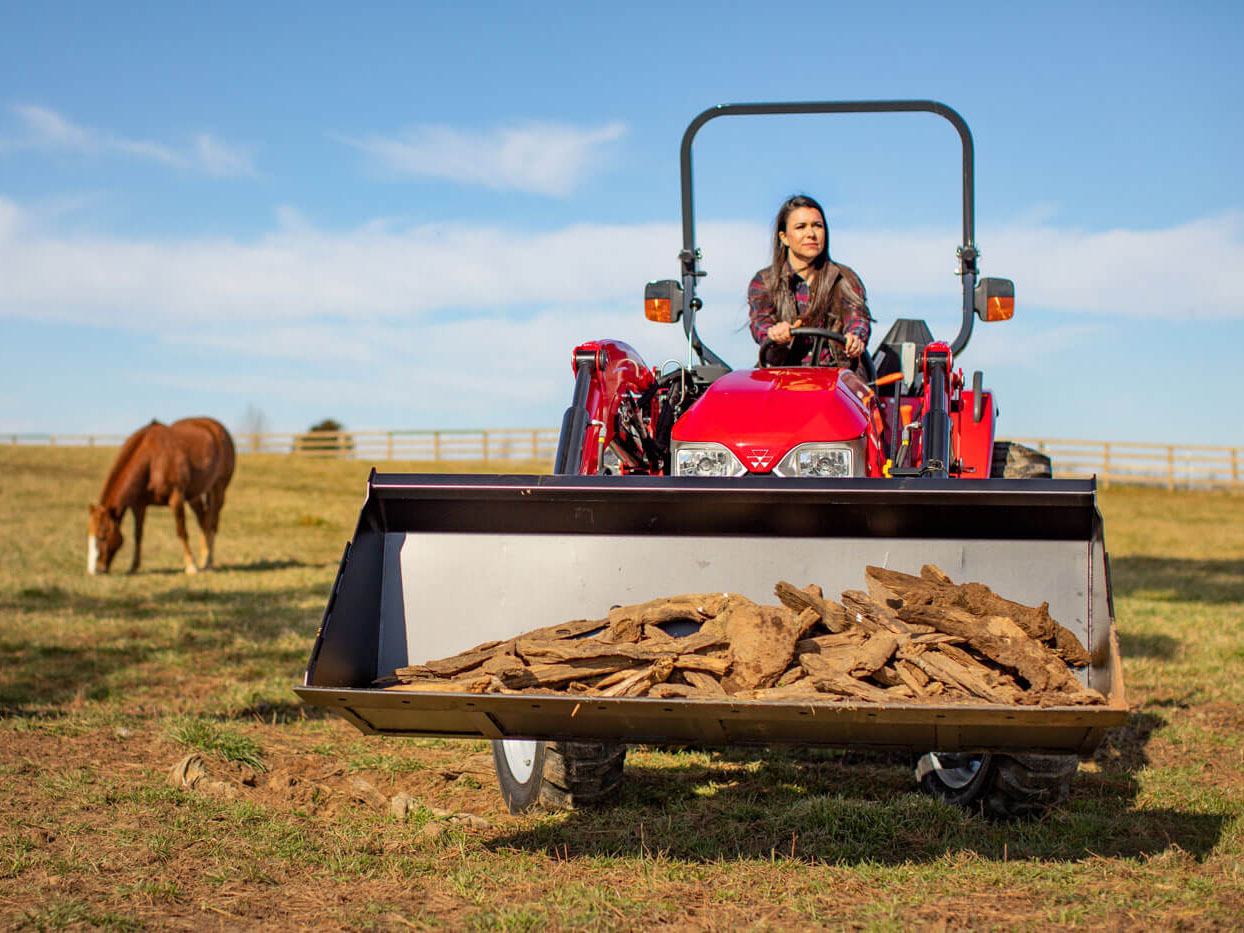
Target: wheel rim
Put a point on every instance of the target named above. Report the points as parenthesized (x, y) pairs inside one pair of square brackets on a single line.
[(520, 758), (955, 771)]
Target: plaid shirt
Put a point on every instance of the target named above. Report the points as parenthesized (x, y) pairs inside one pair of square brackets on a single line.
[(848, 312)]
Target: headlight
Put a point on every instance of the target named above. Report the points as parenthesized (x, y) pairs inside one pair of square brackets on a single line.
[(824, 460), (705, 460)]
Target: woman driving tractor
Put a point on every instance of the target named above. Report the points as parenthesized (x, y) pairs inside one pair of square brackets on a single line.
[(803, 287)]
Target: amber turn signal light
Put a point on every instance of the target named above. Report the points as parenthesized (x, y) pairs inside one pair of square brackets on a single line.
[(994, 299), (658, 309), (999, 309), (663, 301)]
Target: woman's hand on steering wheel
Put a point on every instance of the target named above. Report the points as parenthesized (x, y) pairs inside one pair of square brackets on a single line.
[(853, 345), (818, 336), (781, 332)]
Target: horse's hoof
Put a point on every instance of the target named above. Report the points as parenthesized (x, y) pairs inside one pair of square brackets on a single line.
[(191, 568)]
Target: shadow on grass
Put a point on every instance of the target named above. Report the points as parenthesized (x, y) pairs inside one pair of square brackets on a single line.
[(828, 806), (281, 714), (1125, 748), (228, 633), (256, 566), (1203, 581), (1147, 645)]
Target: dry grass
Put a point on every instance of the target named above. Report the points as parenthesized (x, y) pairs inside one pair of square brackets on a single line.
[(106, 682)]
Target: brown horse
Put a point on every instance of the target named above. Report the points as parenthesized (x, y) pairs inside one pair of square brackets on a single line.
[(188, 461)]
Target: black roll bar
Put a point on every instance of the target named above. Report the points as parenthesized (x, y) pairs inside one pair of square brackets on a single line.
[(966, 253)]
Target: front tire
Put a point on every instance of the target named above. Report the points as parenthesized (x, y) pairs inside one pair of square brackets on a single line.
[(1014, 786), (557, 775), (1000, 786)]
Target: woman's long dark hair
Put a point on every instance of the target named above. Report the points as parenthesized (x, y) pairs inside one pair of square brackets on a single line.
[(777, 276)]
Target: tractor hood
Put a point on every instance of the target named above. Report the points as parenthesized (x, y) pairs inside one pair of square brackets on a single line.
[(776, 409)]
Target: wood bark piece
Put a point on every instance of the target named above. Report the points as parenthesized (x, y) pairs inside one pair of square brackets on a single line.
[(590, 648), (762, 643), (845, 685), (934, 587), (642, 680), (715, 665), (452, 666), (572, 629), (626, 623), (473, 685), (832, 615), (887, 676), (553, 675), (1003, 642), (792, 675), (704, 684), (803, 690), (828, 642), (873, 654), (873, 615), (669, 691), (951, 673), (916, 679)]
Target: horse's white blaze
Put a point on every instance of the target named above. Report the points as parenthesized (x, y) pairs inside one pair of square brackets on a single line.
[(92, 554)]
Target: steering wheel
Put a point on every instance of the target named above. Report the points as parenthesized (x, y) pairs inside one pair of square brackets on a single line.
[(819, 336)]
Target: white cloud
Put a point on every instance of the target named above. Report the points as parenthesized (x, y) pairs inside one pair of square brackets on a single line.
[(47, 130), (297, 277), (541, 158)]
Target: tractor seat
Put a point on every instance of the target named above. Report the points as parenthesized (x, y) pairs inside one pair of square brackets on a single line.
[(888, 357)]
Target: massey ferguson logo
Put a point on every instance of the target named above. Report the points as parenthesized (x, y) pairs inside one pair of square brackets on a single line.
[(759, 458)]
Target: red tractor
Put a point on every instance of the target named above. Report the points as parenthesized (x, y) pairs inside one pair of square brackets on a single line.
[(702, 478), (909, 413)]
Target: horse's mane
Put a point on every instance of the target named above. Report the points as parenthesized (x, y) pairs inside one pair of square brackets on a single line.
[(123, 459)]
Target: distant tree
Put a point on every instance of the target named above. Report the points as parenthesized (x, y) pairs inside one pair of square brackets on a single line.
[(253, 425), (338, 442)]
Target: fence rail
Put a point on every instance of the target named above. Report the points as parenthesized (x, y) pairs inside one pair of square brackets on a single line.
[(1127, 462), (482, 446), (1170, 465)]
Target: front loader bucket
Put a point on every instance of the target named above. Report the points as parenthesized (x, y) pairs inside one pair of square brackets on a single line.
[(439, 564)]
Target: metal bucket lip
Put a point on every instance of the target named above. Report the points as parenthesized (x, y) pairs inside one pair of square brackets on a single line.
[(1025, 491), (752, 505), (735, 705)]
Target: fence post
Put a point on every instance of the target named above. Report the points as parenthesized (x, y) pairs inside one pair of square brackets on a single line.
[(389, 445), (436, 445), (1170, 466), (535, 444), (485, 433), (1235, 464), (1105, 466)]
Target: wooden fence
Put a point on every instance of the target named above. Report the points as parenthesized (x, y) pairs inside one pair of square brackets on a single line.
[(1170, 465), (486, 446)]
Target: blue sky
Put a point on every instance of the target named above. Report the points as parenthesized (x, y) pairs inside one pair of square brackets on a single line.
[(407, 215)]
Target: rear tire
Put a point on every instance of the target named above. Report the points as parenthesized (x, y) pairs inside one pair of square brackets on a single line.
[(557, 775), (1017, 786), (1015, 461)]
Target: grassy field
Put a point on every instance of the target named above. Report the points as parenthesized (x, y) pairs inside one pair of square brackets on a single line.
[(106, 683)]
